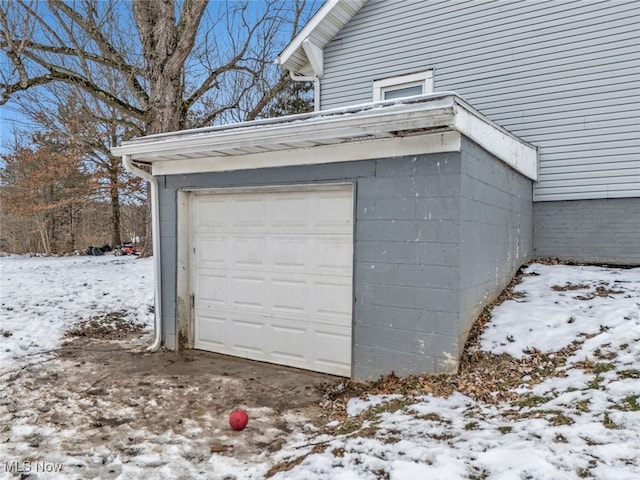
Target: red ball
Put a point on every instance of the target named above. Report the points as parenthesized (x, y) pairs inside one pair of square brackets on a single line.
[(238, 419)]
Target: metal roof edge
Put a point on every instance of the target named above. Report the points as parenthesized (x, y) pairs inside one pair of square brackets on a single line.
[(420, 115), (291, 119)]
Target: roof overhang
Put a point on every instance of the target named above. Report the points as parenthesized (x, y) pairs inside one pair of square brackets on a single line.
[(304, 54), (427, 124)]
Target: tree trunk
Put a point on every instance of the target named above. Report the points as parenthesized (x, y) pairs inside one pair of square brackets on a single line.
[(72, 228), (165, 106), (165, 47), (114, 193), (147, 244), (42, 229)]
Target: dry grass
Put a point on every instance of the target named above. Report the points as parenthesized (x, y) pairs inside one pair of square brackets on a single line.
[(482, 375), (110, 326)]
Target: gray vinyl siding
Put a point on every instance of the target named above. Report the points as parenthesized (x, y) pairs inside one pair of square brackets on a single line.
[(562, 75)]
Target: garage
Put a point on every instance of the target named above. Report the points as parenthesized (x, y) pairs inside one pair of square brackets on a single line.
[(272, 273), (357, 242)]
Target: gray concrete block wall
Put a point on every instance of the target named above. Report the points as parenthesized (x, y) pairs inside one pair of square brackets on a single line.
[(168, 226), (496, 230), (407, 265), (598, 231), (419, 222)]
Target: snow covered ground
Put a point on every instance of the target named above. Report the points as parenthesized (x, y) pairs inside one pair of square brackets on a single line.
[(585, 424), (580, 422), (42, 297)]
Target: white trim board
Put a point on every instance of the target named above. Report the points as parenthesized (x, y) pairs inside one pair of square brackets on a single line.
[(424, 124), (383, 85), (327, 22), (345, 152)]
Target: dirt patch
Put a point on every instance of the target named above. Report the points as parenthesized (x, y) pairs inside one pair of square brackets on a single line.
[(243, 382), (106, 399), (570, 286), (111, 326)]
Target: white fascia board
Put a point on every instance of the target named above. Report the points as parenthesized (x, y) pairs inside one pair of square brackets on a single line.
[(344, 152), (518, 154), (293, 57), (425, 102), (295, 47), (376, 122)]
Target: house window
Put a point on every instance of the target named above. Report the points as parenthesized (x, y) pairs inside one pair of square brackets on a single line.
[(403, 86)]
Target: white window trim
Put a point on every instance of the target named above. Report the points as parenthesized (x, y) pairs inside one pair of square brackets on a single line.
[(380, 87)]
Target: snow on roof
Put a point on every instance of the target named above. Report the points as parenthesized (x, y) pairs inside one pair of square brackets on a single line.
[(423, 116)]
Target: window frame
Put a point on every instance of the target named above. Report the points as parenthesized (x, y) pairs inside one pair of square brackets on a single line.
[(388, 84)]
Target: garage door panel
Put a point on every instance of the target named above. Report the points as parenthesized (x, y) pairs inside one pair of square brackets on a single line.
[(328, 212), (249, 211), (210, 213), (212, 251), (247, 292), (289, 342), (247, 335), (248, 252), (332, 347), (276, 268), (289, 253), (212, 330), (332, 256), (212, 288), (334, 301), (289, 296), (289, 211)]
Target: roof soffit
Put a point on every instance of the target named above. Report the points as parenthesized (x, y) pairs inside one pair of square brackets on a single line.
[(328, 21)]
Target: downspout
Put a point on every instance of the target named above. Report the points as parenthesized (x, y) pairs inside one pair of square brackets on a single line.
[(155, 232), (316, 87)]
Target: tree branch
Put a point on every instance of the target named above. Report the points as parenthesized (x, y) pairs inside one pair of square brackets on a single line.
[(230, 65), (268, 97), (186, 30), (71, 79), (111, 57)]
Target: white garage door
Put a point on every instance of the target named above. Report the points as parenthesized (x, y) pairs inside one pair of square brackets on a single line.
[(272, 275)]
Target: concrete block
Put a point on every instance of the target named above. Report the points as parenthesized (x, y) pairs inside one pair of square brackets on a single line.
[(438, 208), (600, 231)]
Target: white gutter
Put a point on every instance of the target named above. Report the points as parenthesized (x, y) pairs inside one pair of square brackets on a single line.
[(155, 232), (316, 60), (257, 143), (316, 87)]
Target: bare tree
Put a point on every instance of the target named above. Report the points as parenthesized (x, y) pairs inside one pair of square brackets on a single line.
[(169, 58), (148, 66), (43, 189), (93, 128)]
